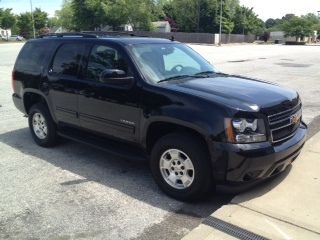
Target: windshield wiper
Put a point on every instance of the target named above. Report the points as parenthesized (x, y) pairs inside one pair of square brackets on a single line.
[(204, 72), (180, 77)]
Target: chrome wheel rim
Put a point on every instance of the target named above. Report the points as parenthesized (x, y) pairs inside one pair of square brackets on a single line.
[(177, 169), (39, 125)]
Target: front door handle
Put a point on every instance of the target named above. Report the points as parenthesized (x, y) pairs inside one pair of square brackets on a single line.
[(86, 93)]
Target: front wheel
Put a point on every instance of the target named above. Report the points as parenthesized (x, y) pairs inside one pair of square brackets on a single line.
[(180, 166)]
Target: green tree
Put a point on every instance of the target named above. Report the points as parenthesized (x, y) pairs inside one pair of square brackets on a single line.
[(143, 14), (194, 15), (90, 15), (228, 15), (204, 16), (270, 23), (187, 15), (24, 23), (298, 27), (53, 22), (288, 17), (7, 18), (316, 27), (184, 12), (312, 18), (83, 15), (115, 13), (247, 22), (273, 24), (139, 13), (227, 25), (65, 16), (40, 19)]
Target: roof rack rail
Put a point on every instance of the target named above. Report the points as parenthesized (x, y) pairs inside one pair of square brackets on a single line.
[(113, 33), (69, 34)]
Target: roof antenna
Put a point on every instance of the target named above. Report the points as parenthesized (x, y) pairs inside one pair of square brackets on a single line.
[(172, 38)]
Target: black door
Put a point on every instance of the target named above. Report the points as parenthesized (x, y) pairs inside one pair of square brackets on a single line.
[(63, 81), (108, 98)]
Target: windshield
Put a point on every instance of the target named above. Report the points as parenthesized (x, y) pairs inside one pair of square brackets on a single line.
[(162, 62)]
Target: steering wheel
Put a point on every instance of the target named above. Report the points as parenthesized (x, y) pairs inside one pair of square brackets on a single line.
[(177, 68)]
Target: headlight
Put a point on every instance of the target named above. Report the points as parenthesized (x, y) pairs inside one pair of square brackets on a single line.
[(242, 130)]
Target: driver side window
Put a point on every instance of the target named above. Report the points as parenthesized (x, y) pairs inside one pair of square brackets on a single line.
[(179, 58), (105, 58)]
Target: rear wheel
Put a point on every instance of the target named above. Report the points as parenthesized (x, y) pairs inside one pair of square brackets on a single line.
[(42, 126), (180, 166)]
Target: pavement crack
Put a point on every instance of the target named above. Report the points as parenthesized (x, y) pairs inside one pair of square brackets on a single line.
[(279, 219)]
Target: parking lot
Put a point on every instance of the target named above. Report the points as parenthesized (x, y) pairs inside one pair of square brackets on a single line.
[(76, 192)]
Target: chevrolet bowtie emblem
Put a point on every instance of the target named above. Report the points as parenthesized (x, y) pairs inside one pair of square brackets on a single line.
[(294, 119)]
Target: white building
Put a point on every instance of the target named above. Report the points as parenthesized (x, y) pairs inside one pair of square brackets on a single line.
[(5, 33), (56, 30), (279, 35), (123, 27), (162, 26)]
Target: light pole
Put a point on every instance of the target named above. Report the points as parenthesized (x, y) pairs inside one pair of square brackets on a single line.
[(32, 17), (220, 26)]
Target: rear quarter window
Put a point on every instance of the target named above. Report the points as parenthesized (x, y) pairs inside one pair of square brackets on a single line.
[(32, 56)]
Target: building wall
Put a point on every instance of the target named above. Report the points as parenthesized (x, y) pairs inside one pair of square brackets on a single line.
[(162, 26), (279, 35), (5, 33)]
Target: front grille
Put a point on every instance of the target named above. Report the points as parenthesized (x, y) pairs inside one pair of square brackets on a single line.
[(284, 124)]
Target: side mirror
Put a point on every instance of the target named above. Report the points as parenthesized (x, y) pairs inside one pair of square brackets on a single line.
[(116, 77)]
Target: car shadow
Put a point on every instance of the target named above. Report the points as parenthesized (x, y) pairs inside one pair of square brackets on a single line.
[(132, 178), (263, 187)]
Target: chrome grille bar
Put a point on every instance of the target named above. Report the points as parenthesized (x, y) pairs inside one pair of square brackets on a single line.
[(290, 118)]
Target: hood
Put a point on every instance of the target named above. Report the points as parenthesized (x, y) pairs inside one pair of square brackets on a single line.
[(239, 92)]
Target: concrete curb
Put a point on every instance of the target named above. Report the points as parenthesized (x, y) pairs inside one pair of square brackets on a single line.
[(288, 207)]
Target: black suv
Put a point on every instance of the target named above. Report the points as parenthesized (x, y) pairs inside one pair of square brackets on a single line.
[(157, 99)]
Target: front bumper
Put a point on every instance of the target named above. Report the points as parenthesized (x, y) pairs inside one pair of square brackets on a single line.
[(245, 163)]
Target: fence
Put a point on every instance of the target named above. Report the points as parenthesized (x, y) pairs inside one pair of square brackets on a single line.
[(204, 38), (236, 38), (181, 36)]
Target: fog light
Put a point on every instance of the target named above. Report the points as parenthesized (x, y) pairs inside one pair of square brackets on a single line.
[(242, 138)]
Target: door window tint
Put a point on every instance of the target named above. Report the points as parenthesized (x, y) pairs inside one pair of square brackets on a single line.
[(67, 59), (105, 58)]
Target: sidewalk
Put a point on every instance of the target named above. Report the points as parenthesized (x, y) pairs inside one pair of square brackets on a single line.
[(288, 207)]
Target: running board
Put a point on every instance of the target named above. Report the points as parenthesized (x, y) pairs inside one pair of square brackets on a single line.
[(110, 146)]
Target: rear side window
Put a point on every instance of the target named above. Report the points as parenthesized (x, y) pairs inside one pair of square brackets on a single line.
[(67, 59), (31, 56)]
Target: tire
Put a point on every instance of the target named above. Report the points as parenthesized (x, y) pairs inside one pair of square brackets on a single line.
[(164, 167), (42, 127)]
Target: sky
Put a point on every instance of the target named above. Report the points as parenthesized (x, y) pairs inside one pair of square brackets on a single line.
[(278, 8), (19, 6), (264, 8)]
